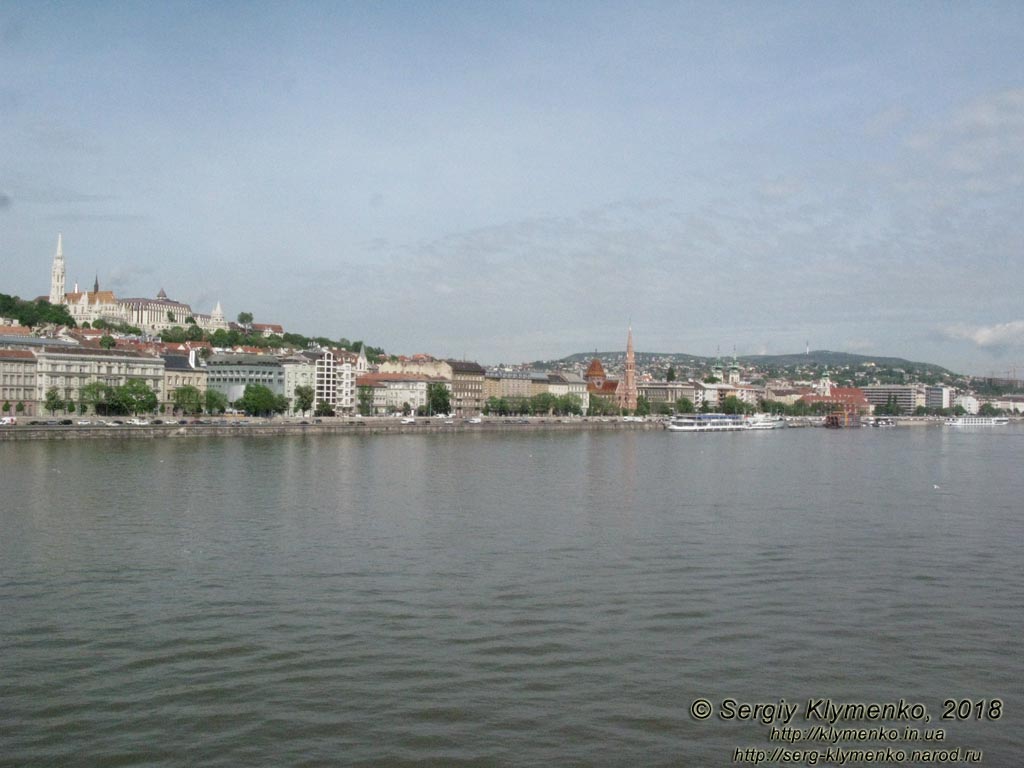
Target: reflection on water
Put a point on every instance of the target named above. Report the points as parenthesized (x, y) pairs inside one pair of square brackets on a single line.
[(516, 599)]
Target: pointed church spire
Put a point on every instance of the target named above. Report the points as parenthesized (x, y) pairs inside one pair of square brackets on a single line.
[(57, 274), (96, 285)]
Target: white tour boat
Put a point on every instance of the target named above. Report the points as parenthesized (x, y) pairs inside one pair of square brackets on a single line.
[(723, 422), (977, 421)]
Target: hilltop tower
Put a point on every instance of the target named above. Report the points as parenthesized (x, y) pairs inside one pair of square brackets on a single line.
[(57, 274), (627, 393)]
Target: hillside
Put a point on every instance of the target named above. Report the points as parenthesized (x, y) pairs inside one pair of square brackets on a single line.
[(819, 357)]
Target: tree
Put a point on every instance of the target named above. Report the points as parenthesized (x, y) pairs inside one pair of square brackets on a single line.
[(987, 409), (135, 397), (170, 317), (733, 404), (32, 313), (107, 342), (54, 402), (438, 398), (569, 405), (174, 335), (670, 374), (194, 333), (643, 407), (245, 318), (684, 405), (496, 405), (406, 408), (7, 406), (258, 400), (543, 403), (304, 398), (323, 408), (190, 320), (215, 402), (602, 406), (96, 395), (187, 399), (365, 400)]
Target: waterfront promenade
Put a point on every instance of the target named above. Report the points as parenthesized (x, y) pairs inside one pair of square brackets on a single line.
[(329, 426)]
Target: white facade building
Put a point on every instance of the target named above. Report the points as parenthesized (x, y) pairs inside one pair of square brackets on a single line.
[(299, 371)]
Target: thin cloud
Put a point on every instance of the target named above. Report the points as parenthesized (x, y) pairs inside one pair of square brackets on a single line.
[(999, 335)]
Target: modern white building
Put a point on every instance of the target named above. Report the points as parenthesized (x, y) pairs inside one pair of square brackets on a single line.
[(335, 372), (299, 371), (968, 402), (230, 373)]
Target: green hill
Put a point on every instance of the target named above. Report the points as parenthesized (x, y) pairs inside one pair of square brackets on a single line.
[(818, 357)]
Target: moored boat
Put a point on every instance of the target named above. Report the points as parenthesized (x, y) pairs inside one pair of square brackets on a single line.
[(765, 421), (706, 422), (977, 421), (723, 422)]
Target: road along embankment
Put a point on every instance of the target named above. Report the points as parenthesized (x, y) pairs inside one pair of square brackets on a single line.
[(328, 427)]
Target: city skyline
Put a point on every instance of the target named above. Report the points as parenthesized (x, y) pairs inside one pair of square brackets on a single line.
[(515, 183)]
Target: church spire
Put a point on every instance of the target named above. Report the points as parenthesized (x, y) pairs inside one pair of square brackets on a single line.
[(57, 274), (627, 395), (96, 285)]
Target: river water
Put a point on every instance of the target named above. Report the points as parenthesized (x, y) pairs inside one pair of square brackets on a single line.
[(502, 599)]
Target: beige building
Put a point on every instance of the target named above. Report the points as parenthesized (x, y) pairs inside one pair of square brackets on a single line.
[(466, 380), (467, 385), (18, 382), (666, 392), (68, 369), (507, 384), (422, 366), (181, 371), (391, 391)]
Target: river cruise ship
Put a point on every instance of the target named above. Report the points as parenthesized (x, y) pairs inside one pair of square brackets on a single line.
[(977, 421), (722, 422)]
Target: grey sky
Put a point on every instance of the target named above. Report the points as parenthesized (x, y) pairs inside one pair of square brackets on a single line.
[(516, 181)]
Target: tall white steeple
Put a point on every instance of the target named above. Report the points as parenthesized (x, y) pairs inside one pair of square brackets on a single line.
[(57, 274)]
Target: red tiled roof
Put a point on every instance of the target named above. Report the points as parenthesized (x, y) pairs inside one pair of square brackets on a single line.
[(595, 369), (16, 354)]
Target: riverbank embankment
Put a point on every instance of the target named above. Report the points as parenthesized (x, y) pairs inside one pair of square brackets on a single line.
[(274, 428)]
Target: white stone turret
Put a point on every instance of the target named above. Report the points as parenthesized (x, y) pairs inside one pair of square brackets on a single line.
[(57, 274)]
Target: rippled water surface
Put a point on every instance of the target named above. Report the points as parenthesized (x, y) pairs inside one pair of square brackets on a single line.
[(513, 599)]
